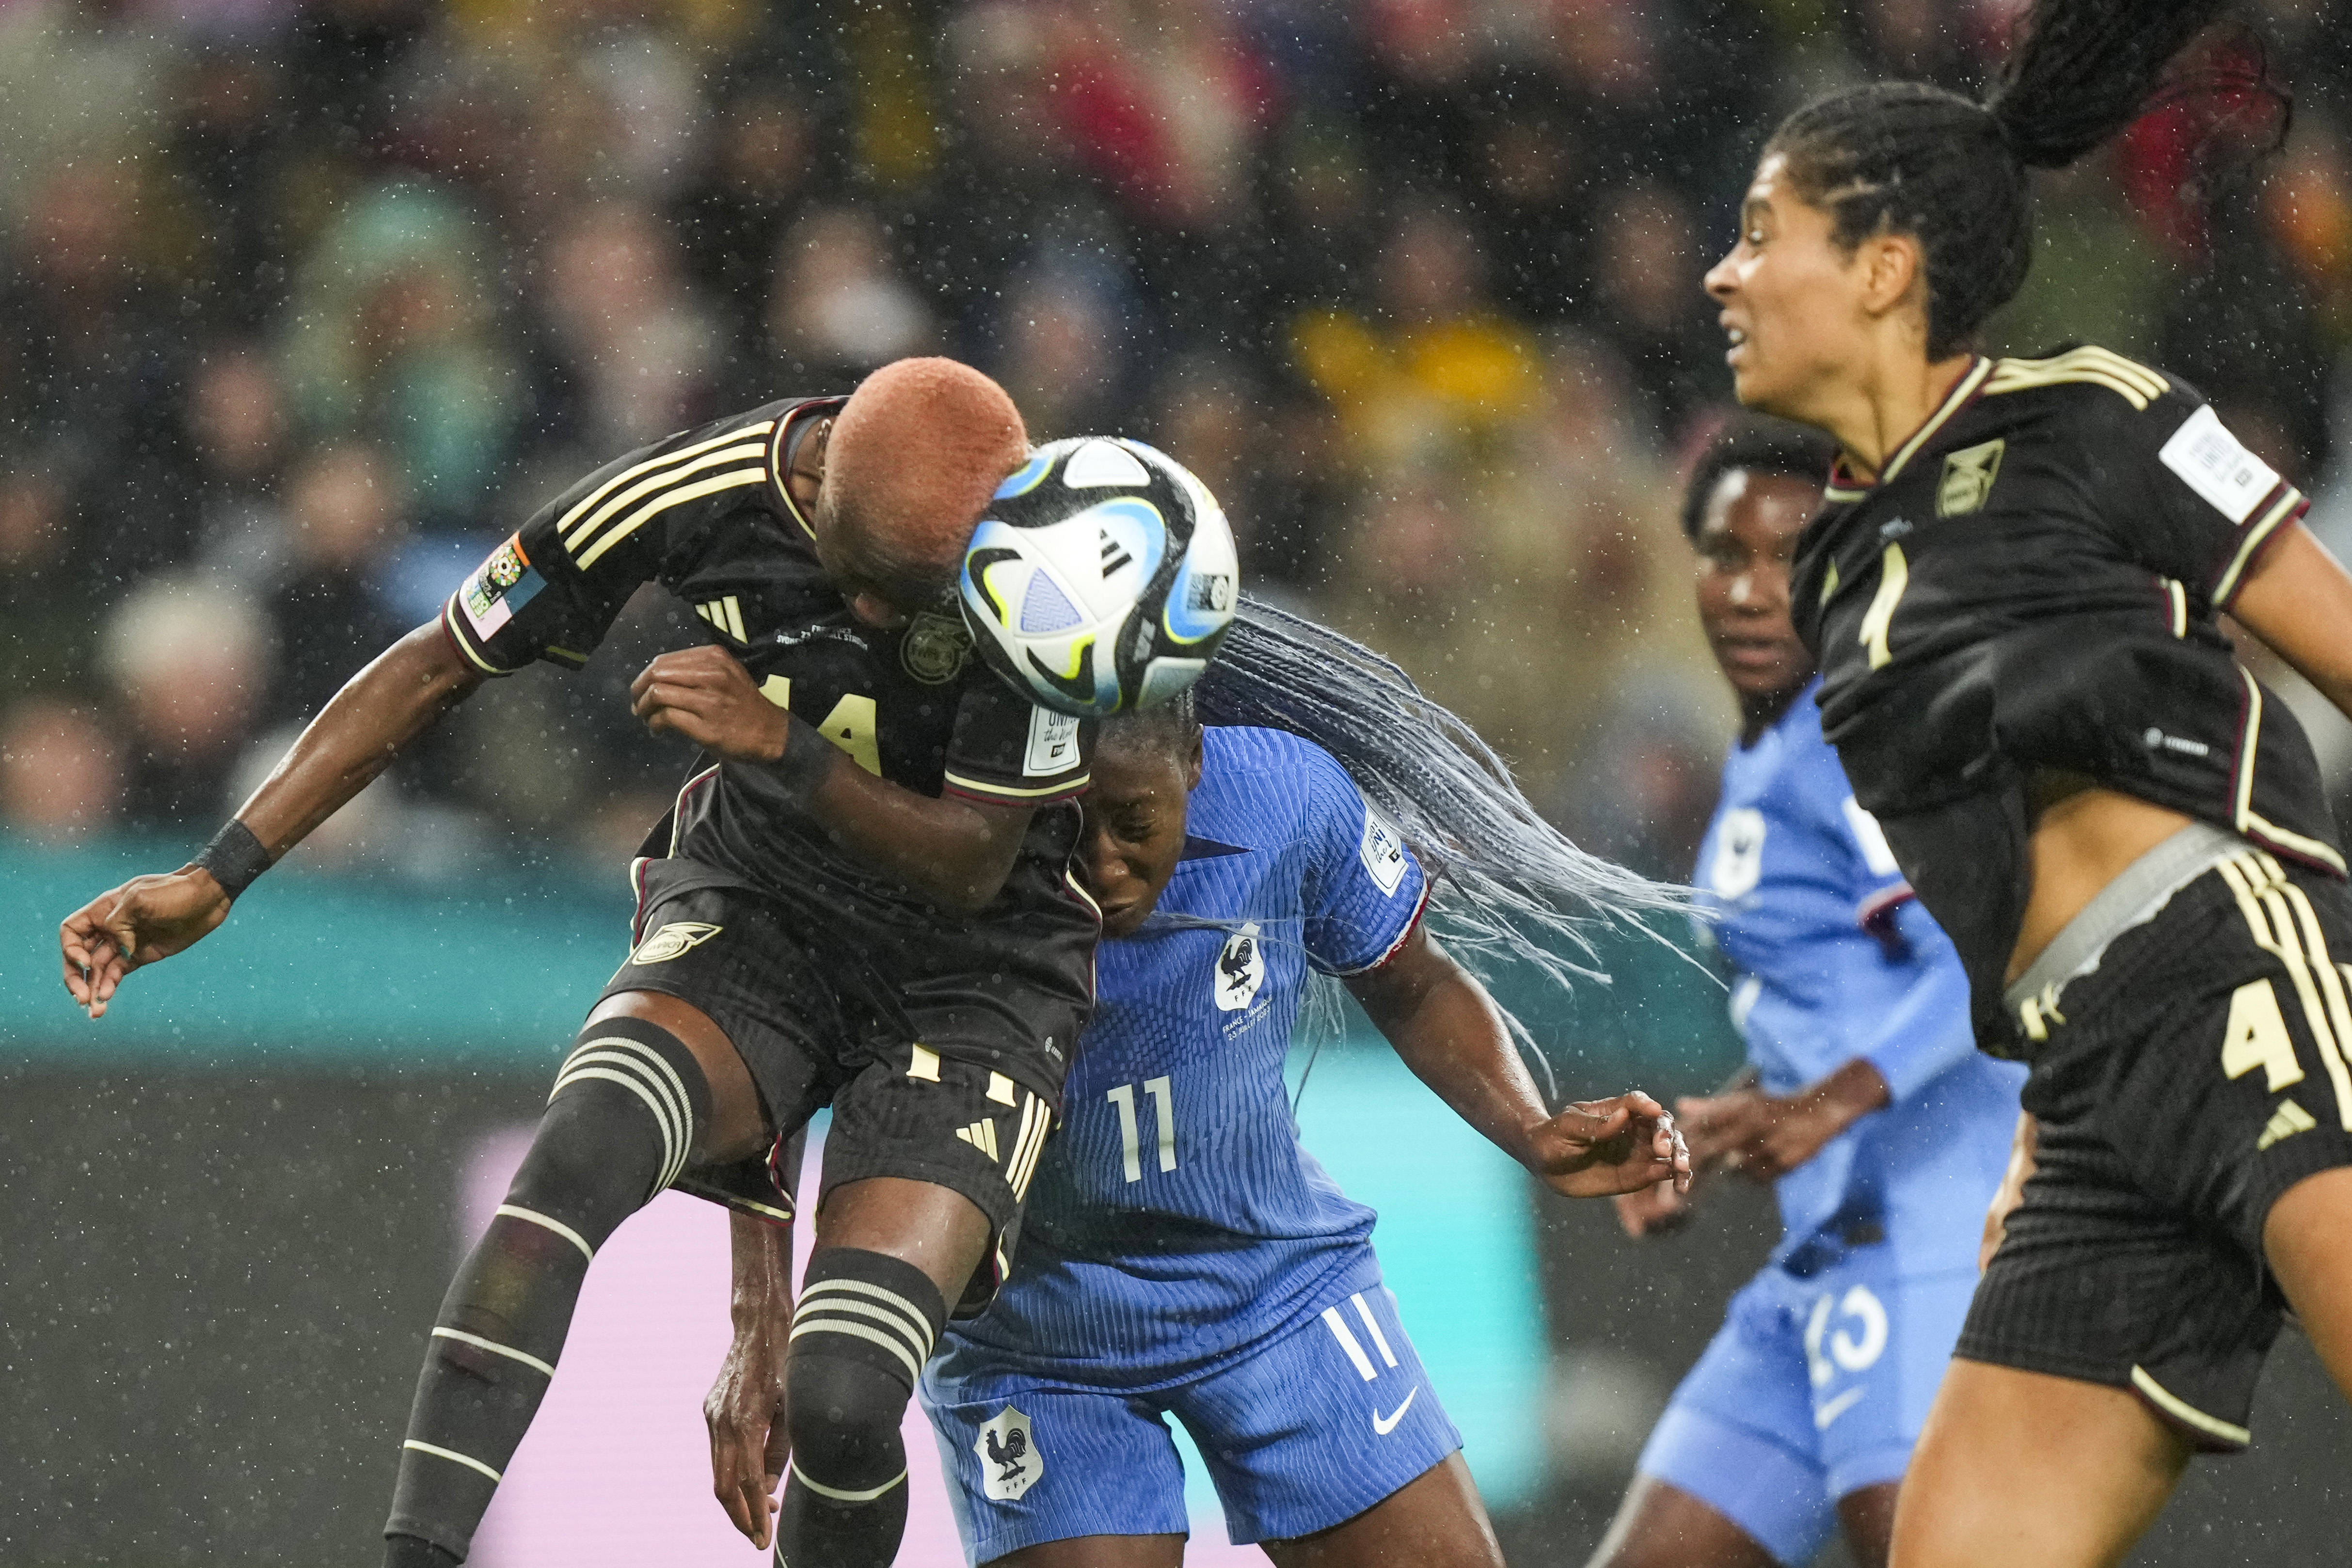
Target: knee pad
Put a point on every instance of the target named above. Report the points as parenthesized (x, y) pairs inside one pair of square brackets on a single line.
[(864, 1328), (619, 1126)]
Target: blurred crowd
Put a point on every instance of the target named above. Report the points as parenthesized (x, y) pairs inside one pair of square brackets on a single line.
[(303, 305)]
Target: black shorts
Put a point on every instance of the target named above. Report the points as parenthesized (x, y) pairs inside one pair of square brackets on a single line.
[(2188, 1081), (919, 1084)]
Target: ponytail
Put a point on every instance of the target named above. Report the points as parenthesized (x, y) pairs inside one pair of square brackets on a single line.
[(2083, 69)]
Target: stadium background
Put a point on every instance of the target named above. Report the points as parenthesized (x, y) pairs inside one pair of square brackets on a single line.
[(305, 305)]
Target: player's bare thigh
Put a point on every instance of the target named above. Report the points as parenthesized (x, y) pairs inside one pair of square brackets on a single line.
[(2033, 1471), (2307, 1238), (1434, 1521), (1098, 1551), (936, 1229), (739, 1123), (1659, 1525)]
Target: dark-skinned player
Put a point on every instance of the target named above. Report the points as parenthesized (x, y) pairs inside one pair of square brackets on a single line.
[(861, 899)]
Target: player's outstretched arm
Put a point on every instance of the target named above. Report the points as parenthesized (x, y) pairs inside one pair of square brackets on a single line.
[(356, 735), (1450, 1032), (954, 852), (1766, 1136), (745, 1407)]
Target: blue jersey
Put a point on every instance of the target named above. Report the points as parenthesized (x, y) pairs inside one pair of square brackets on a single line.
[(1176, 1219), (1833, 959)]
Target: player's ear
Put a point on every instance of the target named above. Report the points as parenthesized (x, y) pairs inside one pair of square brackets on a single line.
[(1893, 268), (1193, 762)]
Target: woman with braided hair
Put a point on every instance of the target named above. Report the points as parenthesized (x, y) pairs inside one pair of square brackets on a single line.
[(2014, 592)]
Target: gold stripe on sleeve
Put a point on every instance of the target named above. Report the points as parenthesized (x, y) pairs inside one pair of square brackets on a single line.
[(652, 464), (2252, 542), (2133, 383), (465, 644), (733, 479), (1007, 791)]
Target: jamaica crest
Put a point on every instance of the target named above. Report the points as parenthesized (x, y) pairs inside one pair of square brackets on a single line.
[(1009, 1460), (935, 648)]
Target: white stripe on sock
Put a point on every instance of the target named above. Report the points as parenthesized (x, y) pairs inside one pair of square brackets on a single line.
[(505, 1349), (839, 1496), (440, 1453), (897, 1347), (513, 1211)]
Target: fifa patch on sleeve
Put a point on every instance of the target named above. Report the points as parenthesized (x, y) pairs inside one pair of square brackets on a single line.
[(1053, 743), (503, 584), (1382, 851), (2211, 461)]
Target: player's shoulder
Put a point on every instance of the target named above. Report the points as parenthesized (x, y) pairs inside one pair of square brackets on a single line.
[(2083, 389), (1268, 781), (1801, 774)]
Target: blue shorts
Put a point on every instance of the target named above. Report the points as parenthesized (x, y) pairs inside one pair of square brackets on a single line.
[(1309, 1428), (1813, 1387)]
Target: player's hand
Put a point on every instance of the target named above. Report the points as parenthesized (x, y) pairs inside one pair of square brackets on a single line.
[(1766, 1136), (706, 696), (1653, 1211), (145, 919), (2023, 1151), (1596, 1148), (748, 1440)]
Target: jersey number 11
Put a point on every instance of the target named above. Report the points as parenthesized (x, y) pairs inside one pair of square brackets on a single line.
[(1130, 1145)]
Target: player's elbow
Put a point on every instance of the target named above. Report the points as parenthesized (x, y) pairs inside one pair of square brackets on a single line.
[(428, 666), (965, 890)]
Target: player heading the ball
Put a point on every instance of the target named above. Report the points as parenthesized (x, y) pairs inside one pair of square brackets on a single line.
[(861, 899)]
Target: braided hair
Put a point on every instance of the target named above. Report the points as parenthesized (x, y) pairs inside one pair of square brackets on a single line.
[(1950, 171), (1505, 884)]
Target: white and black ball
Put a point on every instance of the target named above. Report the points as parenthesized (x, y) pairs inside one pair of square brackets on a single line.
[(1101, 578)]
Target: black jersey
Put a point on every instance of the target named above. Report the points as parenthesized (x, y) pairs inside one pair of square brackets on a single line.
[(2033, 584), (707, 513)]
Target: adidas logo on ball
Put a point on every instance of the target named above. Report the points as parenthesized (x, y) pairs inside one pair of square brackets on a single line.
[(1101, 578)]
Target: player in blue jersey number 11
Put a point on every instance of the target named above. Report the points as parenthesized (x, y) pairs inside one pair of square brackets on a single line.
[(1182, 1253)]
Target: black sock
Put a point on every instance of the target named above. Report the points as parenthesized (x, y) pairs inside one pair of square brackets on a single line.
[(408, 1551), (616, 1131), (816, 1533), (844, 1502)]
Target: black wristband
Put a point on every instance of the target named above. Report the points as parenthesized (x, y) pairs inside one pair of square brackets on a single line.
[(234, 858), (807, 758)]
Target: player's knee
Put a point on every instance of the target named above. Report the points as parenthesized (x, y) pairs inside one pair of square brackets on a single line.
[(866, 1324), (619, 1126)]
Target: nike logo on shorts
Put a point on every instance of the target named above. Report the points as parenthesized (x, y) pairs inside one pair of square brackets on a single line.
[(1385, 1426), (1835, 1409)]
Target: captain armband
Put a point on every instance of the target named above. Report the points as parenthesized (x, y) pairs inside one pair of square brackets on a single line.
[(234, 858)]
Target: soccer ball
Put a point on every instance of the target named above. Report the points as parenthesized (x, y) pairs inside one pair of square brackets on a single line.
[(1101, 576)]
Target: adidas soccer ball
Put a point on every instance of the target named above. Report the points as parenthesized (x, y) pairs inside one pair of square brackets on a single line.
[(1101, 576)]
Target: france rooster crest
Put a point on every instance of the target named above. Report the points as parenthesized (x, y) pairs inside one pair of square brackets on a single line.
[(1010, 1462), (1240, 969)]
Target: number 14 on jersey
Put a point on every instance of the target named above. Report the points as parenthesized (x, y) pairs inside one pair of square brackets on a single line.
[(1131, 1142)]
